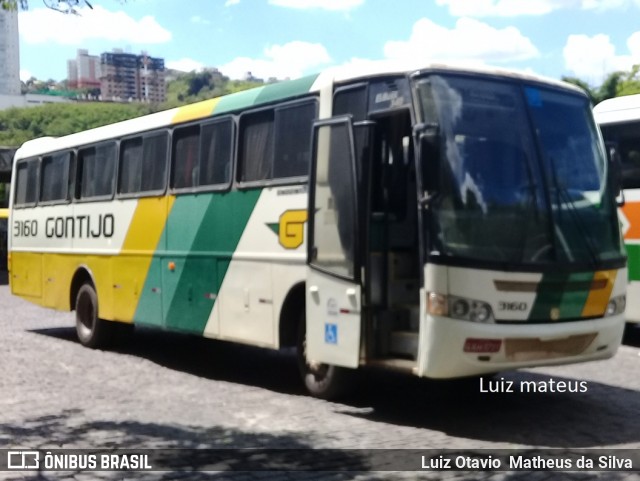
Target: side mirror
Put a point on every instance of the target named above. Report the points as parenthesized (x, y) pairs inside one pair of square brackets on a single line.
[(429, 140), (615, 172)]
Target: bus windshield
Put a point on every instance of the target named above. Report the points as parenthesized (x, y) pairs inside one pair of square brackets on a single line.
[(522, 175)]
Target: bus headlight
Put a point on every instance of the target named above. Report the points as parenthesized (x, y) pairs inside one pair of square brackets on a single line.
[(459, 308), (480, 312), (616, 306)]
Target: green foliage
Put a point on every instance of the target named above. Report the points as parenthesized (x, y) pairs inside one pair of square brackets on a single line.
[(583, 85), (615, 84), (195, 86), (17, 125), (64, 6), (629, 82), (10, 4)]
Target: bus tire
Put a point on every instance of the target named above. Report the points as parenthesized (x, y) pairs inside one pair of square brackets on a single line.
[(92, 331), (324, 381)]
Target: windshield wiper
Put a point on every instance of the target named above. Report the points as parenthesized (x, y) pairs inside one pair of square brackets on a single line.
[(533, 209), (563, 193)]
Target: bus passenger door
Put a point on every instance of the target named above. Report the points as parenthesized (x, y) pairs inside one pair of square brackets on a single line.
[(333, 297)]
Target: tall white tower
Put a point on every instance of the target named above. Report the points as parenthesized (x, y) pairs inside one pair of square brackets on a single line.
[(9, 53)]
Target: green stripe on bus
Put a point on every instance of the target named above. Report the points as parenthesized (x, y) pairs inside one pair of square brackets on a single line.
[(633, 251), (567, 293), (205, 265), (263, 95), (177, 237), (548, 295), (201, 235), (283, 90), (574, 298), (237, 101)]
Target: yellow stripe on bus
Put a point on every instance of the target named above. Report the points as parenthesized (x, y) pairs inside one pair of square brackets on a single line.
[(599, 298), (195, 111), (131, 267), (147, 224)]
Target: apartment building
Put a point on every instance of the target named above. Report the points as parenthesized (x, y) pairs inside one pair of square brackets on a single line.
[(127, 76), (9, 53), (83, 72)]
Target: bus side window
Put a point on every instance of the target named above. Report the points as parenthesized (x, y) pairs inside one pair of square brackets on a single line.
[(143, 163), (351, 101), (256, 146), (625, 136), (186, 154), (130, 171), (293, 140), (26, 182), (55, 177), (154, 162), (631, 168), (97, 170), (216, 148)]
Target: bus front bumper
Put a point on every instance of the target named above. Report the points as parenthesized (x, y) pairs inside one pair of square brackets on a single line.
[(451, 348)]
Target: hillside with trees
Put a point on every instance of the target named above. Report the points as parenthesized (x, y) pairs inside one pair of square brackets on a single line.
[(17, 125)]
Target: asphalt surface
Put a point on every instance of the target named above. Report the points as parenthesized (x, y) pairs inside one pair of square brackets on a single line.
[(160, 390)]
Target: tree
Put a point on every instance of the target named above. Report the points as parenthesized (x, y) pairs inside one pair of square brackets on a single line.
[(17, 125), (583, 85), (64, 6), (610, 86), (614, 85), (629, 82)]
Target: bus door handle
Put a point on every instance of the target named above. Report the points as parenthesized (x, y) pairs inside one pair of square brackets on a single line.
[(351, 295), (315, 293)]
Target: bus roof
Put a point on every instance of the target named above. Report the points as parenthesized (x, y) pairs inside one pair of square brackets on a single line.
[(618, 109), (262, 95)]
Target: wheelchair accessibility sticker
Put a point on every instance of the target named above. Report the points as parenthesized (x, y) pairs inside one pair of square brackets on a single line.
[(330, 333)]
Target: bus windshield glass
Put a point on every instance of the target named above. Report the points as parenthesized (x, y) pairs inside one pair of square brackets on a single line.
[(522, 177)]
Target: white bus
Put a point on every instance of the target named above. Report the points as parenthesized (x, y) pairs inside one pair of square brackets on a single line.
[(619, 120), (442, 221)]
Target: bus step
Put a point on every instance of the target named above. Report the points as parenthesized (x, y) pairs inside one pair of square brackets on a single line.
[(401, 365), (404, 343)]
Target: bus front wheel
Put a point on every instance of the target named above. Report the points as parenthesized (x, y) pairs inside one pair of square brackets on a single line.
[(323, 381), (92, 331)]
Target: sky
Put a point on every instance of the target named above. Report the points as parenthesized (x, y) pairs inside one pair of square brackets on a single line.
[(290, 38)]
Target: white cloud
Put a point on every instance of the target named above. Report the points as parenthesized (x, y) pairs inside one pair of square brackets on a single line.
[(42, 25), (229, 3), (319, 4), (185, 65), (25, 74), (291, 60), (592, 58), (601, 5), (502, 8), (514, 8), (469, 41)]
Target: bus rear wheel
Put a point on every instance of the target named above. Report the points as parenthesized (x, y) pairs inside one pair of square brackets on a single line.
[(92, 331), (323, 381)]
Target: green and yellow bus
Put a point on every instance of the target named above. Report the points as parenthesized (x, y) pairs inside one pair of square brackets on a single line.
[(619, 120), (4, 219), (442, 221)]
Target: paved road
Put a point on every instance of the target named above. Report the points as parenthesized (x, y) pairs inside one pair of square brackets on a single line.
[(161, 390)]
